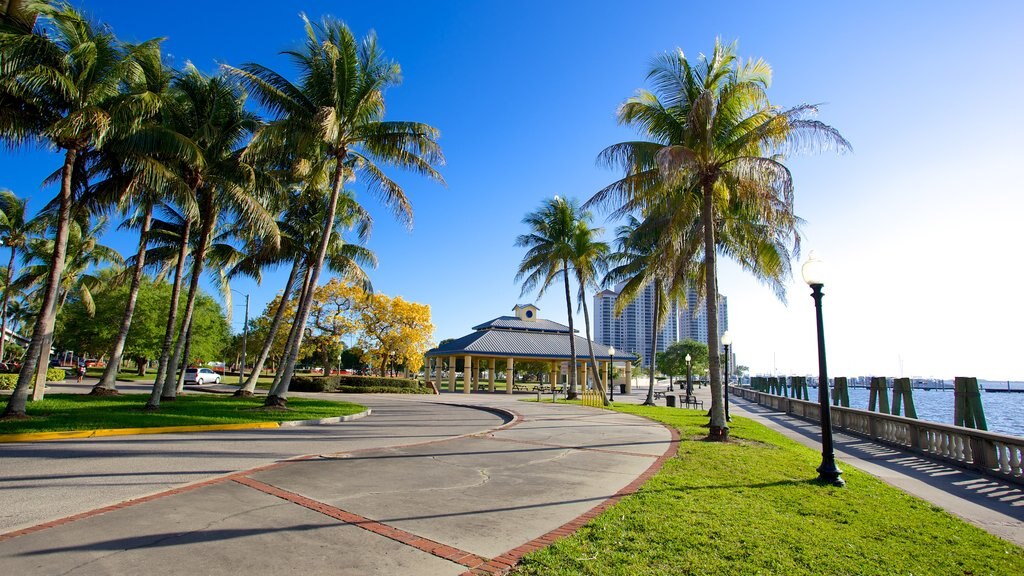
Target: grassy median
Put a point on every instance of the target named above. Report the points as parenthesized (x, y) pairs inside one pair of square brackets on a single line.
[(62, 412), (751, 506)]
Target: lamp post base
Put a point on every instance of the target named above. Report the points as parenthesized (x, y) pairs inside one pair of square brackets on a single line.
[(829, 473)]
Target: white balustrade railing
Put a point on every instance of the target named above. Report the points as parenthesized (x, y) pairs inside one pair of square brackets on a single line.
[(1000, 455)]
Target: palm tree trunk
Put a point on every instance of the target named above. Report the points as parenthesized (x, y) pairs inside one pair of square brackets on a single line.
[(3, 306), (186, 359), (655, 319), (108, 382), (172, 318), (572, 335), (170, 379), (275, 325), (590, 345), (719, 429), (44, 322), (303, 312), (275, 387)]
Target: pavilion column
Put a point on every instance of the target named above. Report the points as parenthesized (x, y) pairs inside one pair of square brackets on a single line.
[(629, 377), (509, 375), (438, 364), (492, 363), (581, 377), (451, 373), (426, 371), (467, 375), (604, 377), (554, 375)]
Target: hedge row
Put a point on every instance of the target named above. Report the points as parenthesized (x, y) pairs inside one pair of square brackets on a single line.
[(9, 381), (357, 385)]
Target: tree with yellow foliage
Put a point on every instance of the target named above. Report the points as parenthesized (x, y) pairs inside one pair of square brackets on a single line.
[(394, 326)]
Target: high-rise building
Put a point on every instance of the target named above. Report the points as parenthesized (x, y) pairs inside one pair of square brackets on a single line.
[(630, 331)]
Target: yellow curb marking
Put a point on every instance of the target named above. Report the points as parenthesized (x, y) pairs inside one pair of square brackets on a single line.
[(70, 434)]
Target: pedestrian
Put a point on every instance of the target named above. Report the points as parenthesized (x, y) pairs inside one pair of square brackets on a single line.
[(81, 370)]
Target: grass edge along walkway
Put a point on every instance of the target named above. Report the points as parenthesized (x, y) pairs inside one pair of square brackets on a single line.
[(78, 416), (751, 506)]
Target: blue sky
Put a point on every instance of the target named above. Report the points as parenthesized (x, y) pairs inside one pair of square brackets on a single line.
[(919, 224)]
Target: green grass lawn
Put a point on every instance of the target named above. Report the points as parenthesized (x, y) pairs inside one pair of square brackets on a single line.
[(751, 506), (60, 412)]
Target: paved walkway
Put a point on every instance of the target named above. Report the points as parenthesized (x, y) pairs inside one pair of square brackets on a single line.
[(422, 486)]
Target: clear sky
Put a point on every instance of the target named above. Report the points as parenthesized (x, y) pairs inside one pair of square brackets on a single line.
[(919, 225)]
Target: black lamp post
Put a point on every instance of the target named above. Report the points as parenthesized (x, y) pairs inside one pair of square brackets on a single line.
[(611, 374), (726, 341), (689, 381), (814, 274)]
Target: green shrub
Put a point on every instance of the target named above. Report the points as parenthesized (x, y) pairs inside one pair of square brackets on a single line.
[(9, 381), (358, 385)]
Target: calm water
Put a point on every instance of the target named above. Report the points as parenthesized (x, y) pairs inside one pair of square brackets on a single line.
[(1004, 412)]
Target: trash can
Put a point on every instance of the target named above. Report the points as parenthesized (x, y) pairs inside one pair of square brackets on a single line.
[(670, 400), (622, 388)]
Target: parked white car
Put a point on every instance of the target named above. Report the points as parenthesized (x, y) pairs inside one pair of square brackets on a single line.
[(200, 376)]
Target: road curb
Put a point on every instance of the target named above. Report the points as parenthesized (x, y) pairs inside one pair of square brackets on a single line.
[(78, 434)]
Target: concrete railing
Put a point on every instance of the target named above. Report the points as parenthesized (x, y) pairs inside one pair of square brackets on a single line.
[(1000, 455)]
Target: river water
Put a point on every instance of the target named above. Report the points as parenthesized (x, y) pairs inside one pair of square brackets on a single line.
[(1004, 412)]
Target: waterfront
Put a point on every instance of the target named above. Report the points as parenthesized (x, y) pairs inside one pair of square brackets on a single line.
[(1004, 412)]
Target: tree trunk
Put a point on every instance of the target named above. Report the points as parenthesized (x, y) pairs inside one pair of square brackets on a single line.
[(108, 382), (186, 360), (572, 336), (250, 383), (303, 312), (655, 318), (293, 333), (172, 317), (719, 429), (140, 365), (44, 322), (3, 306), (590, 345), (170, 379)]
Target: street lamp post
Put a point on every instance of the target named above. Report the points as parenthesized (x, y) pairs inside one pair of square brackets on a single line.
[(689, 381), (245, 337), (726, 341), (611, 374), (813, 272)]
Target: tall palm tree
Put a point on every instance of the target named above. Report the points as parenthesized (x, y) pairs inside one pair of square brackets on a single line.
[(330, 127), (550, 252), (15, 229), (209, 111), (715, 139), (136, 175), (58, 85), (589, 260), (299, 227)]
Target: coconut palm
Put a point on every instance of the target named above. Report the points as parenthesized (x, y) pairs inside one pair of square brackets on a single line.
[(589, 260), (298, 234), (136, 174), (717, 143), (209, 111), (330, 127), (15, 228), (550, 252), (58, 86)]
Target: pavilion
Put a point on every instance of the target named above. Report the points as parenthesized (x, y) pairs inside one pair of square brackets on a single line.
[(524, 337)]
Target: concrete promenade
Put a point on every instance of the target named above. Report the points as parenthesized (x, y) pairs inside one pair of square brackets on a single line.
[(425, 485)]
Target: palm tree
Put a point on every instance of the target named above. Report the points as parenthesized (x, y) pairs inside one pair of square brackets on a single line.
[(331, 127), (299, 234), (589, 260), (58, 85), (717, 141), (14, 233), (79, 277), (550, 252), (209, 111), (138, 176)]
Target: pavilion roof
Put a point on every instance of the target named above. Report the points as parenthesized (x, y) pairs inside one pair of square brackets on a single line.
[(514, 323), (521, 343)]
